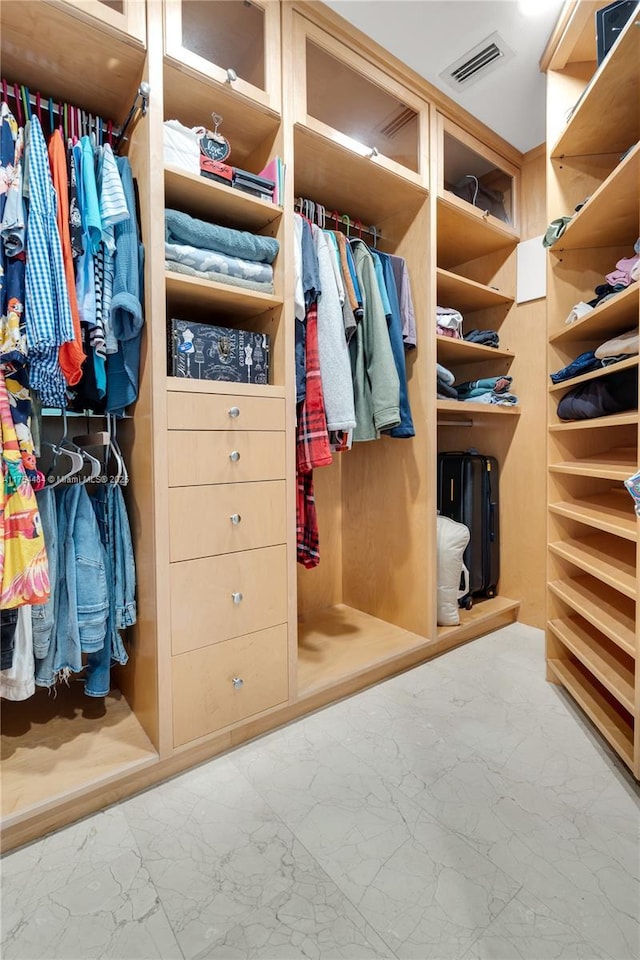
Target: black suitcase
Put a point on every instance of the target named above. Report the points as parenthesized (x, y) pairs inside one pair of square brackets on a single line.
[(468, 493)]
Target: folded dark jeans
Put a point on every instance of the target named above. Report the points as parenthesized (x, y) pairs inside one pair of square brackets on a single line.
[(487, 337), (583, 364), (447, 390)]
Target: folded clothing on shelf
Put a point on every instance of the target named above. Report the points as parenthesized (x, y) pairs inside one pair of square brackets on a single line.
[(500, 399), (578, 310), (180, 228), (584, 363), (476, 388), (601, 397), (449, 322), (625, 344), (446, 391), (445, 375), (488, 338)]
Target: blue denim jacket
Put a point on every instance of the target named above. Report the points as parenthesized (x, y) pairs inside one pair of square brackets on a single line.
[(82, 600)]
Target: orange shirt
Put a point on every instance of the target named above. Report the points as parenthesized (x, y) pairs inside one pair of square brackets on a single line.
[(71, 355)]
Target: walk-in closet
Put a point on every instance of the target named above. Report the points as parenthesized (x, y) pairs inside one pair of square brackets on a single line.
[(233, 636)]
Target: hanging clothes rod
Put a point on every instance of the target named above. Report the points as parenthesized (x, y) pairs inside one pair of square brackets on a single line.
[(75, 120), (333, 220)]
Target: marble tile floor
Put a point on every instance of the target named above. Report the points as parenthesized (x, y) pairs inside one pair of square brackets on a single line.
[(461, 811)]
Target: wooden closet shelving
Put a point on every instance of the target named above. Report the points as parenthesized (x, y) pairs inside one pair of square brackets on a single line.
[(201, 197), (592, 568), (566, 385), (606, 113), (468, 407), (601, 606), (607, 319), (468, 295), (301, 638), (611, 214), (196, 292)]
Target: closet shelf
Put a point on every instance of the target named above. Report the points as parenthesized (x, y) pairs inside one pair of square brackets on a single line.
[(464, 234), (481, 618), (340, 643), (613, 562), (607, 717), (70, 744), (619, 463), (610, 217), (463, 351), (607, 115), (607, 664), (604, 608), (99, 74), (463, 409), (594, 374), (183, 385), (611, 511), (332, 174), (615, 316), (208, 200), (467, 295), (613, 420), (190, 97), (193, 292)]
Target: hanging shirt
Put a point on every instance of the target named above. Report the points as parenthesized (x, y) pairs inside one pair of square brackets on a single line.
[(71, 355), (48, 318), (335, 367), (113, 210), (405, 428), (401, 276), (376, 383)]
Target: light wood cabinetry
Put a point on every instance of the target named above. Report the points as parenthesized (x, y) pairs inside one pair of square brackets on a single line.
[(220, 598), (236, 45), (127, 16), (592, 633)]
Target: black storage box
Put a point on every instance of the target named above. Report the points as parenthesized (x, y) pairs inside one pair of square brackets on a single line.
[(610, 22), (201, 351)]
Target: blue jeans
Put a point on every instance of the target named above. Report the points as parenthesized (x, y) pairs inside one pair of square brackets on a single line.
[(583, 364), (43, 616), (109, 508)]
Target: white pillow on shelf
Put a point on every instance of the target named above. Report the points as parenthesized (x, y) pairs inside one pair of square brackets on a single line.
[(452, 538)]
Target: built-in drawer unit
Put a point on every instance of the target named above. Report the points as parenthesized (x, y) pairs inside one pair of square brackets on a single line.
[(222, 684), (217, 411), (210, 520), (224, 456), (216, 598)]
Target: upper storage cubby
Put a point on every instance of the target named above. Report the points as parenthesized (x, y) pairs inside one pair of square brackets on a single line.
[(588, 97), (127, 16), (477, 197), (100, 73), (236, 44), (347, 100)]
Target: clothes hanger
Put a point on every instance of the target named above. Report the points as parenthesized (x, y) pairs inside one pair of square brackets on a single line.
[(124, 479)]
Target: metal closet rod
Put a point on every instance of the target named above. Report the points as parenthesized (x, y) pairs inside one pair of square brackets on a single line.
[(318, 213), (76, 120)]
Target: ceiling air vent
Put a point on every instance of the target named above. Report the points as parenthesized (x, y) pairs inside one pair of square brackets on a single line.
[(486, 56)]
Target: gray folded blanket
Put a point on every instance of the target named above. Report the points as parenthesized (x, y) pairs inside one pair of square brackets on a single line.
[(176, 267), (181, 228)]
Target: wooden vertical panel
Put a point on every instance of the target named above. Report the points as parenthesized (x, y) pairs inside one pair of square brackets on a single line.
[(388, 497), (146, 679)]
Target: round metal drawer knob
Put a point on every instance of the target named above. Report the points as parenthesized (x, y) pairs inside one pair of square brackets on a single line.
[(235, 519), (237, 597), (234, 412), (237, 683), (232, 76), (234, 456)]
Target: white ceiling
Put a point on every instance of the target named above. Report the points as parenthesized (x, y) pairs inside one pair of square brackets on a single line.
[(428, 35)]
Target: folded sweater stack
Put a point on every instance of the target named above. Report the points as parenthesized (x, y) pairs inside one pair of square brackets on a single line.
[(211, 252), (609, 352), (449, 323)]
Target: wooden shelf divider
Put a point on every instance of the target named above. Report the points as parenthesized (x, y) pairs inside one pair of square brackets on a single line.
[(611, 512), (614, 464), (615, 728), (608, 611), (595, 374), (467, 295), (208, 200), (612, 420), (607, 663), (611, 561), (604, 321), (197, 292)]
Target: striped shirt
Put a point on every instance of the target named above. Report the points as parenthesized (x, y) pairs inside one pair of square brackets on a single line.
[(47, 313)]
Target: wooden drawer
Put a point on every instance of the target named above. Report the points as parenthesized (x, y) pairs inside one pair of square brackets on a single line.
[(200, 522), (218, 598), (205, 697), (210, 411), (224, 456)]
